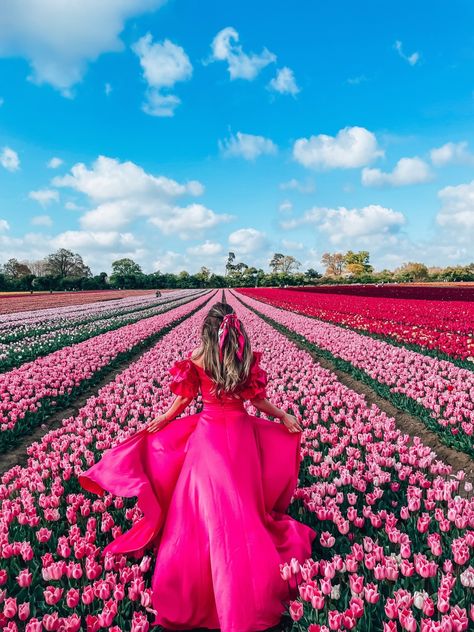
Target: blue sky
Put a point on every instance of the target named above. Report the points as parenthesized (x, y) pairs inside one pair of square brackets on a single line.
[(174, 132)]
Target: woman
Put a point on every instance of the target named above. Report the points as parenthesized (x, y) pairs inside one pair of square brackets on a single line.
[(213, 488)]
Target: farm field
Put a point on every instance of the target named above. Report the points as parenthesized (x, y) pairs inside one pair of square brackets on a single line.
[(15, 302), (394, 522)]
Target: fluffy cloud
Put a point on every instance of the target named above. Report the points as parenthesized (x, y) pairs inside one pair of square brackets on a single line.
[(4, 225), (59, 39), (247, 241), (163, 64), (411, 59), (351, 226), (54, 163), (225, 47), (284, 82), (406, 171), (189, 220), (351, 147), (207, 249), (292, 245), (457, 211), (9, 159), (98, 248), (285, 207), (123, 192), (247, 146), (296, 185), (44, 196), (451, 153), (41, 220)]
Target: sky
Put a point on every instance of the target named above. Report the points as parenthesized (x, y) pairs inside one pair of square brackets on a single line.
[(174, 132)]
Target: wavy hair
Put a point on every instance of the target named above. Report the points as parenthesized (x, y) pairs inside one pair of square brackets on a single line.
[(231, 372)]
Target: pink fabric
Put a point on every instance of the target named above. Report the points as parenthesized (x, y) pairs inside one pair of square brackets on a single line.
[(230, 320), (214, 488)]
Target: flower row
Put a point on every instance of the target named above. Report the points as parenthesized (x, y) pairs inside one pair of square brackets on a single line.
[(52, 532), (31, 392), (446, 327), (395, 537), (437, 391), (26, 342)]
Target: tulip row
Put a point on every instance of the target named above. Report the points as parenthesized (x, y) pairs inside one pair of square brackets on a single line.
[(52, 532), (24, 303), (23, 344), (395, 539), (33, 391), (437, 391), (439, 328), (363, 487)]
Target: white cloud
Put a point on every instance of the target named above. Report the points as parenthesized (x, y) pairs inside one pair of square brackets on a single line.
[(4, 225), (41, 220), (351, 147), (98, 249), (356, 225), (457, 153), (207, 249), (78, 240), (247, 240), (163, 64), (188, 220), (285, 207), (59, 39), (297, 185), (355, 81), (247, 146), (284, 82), (44, 196), (123, 192), (411, 59), (225, 47), (457, 211), (406, 171), (54, 163), (9, 159), (292, 245)]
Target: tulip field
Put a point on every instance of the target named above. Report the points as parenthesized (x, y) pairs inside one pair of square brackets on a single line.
[(395, 524)]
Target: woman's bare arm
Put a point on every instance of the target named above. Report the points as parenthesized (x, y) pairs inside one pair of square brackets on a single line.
[(178, 405), (265, 406)]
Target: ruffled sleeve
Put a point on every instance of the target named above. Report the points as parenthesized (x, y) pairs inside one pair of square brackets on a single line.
[(256, 382), (185, 380)]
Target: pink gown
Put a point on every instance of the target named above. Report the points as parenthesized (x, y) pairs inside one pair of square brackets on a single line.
[(214, 488)]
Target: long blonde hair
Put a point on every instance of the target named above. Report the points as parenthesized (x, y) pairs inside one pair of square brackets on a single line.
[(231, 372)]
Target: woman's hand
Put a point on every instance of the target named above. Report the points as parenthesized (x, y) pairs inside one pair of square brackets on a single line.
[(291, 423), (157, 424)]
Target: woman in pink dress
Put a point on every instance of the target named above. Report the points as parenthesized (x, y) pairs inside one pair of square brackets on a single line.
[(214, 488)]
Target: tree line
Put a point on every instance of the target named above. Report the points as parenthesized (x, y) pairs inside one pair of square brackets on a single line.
[(66, 270)]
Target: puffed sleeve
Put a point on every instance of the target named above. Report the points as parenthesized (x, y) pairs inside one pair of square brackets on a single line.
[(255, 384), (185, 380)]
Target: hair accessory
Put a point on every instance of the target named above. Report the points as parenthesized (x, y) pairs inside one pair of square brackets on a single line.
[(230, 320)]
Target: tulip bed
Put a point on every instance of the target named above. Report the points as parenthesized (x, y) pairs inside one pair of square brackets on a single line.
[(22, 340), (20, 344), (30, 393), (15, 303), (443, 329), (394, 537), (395, 540), (438, 392)]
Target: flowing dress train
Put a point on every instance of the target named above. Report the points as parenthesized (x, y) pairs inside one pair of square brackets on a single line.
[(214, 488)]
